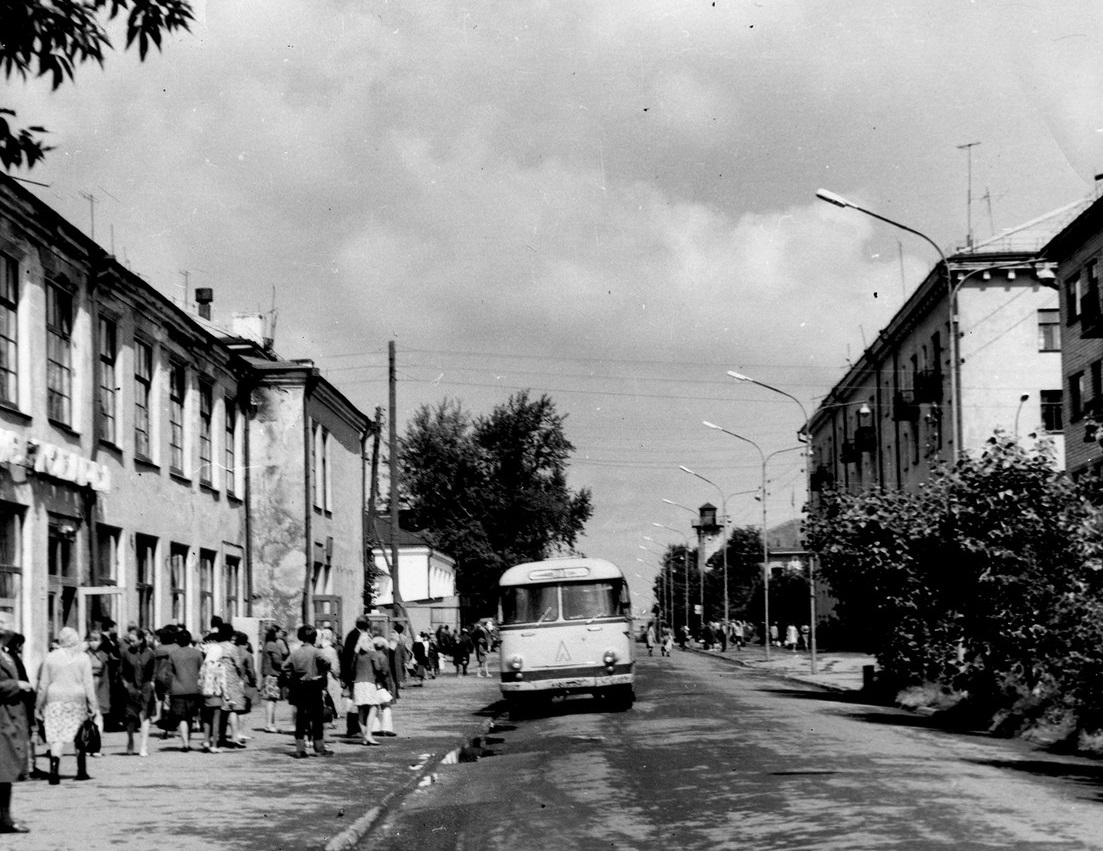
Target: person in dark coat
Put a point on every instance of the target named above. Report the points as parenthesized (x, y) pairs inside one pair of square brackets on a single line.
[(308, 669), (14, 731), (348, 674)]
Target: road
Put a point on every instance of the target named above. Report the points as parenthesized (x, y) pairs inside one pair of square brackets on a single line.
[(715, 756)]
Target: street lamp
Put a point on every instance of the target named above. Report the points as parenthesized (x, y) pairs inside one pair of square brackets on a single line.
[(686, 553), (765, 545), (685, 566), (724, 547), (668, 580), (1022, 401), (805, 430)]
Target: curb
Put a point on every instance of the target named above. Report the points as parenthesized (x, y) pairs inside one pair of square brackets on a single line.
[(782, 675), (360, 828)]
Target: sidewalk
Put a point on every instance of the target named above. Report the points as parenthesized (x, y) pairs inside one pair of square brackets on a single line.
[(835, 671), (256, 798)]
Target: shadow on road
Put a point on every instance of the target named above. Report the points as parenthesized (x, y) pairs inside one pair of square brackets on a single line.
[(1086, 775)]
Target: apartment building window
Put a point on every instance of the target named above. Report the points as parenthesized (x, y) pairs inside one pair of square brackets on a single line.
[(143, 394), (206, 413), (9, 329), (206, 587), (177, 392), (1076, 396), (146, 548), (11, 571), (1049, 330), (230, 440), (107, 556), (109, 387), (1052, 413), (61, 600), (1097, 385), (59, 354), (1074, 292), (320, 468), (232, 596), (178, 583)]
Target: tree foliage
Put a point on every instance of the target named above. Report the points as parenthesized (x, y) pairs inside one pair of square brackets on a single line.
[(51, 37), (491, 491), (986, 580)]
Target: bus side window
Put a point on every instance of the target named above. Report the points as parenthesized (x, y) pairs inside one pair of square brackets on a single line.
[(625, 600)]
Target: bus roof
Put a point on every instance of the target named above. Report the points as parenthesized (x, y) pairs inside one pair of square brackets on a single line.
[(559, 569)]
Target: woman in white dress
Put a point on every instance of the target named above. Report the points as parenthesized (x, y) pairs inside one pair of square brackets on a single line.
[(66, 697)]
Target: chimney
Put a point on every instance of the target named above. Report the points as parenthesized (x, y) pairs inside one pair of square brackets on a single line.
[(203, 297)]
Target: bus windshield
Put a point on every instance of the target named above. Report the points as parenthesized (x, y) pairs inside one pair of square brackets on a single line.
[(583, 601), (530, 604)]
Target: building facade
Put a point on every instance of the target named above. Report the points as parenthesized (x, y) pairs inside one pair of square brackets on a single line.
[(1077, 250), (138, 445), (426, 579), (918, 398)]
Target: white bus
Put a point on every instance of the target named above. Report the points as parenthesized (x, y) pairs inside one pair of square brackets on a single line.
[(566, 627)]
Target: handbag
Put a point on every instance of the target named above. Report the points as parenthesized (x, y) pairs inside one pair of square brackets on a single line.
[(88, 737), (329, 709)]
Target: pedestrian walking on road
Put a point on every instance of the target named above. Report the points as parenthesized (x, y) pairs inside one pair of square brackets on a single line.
[(667, 640), (308, 669), (649, 639), (372, 688), (348, 675), (66, 697), (461, 652), (480, 640), (791, 637), (15, 690), (136, 669), (185, 698)]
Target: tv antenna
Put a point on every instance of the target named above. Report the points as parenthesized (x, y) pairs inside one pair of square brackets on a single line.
[(968, 148)]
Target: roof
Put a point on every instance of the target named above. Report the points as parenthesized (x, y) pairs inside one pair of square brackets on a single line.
[(560, 568), (1075, 231), (406, 538), (1034, 235)]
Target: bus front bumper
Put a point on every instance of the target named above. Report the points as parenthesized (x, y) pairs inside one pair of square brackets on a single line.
[(566, 680)]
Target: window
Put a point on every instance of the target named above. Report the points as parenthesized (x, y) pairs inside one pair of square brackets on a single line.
[(231, 446), (1049, 330), (9, 329), (143, 386), (206, 404), (591, 600), (107, 557), (1089, 292), (61, 600), (177, 389), (109, 388), (59, 354), (232, 595), (530, 603), (1076, 396), (323, 498), (1073, 294), (1052, 415), (206, 587), (11, 572), (146, 559), (178, 583), (1097, 384)]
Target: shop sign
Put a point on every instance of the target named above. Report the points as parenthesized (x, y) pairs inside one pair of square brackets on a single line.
[(49, 460)]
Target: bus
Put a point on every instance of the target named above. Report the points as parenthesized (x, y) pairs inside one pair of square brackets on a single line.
[(566, 628)]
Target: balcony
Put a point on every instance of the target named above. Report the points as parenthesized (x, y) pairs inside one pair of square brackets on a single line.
[(928, 386), (904, 407)]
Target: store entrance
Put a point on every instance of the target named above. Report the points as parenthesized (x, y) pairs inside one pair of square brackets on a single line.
[(97, 604)]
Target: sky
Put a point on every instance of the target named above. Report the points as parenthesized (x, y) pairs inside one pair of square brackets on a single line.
[(608, 202)]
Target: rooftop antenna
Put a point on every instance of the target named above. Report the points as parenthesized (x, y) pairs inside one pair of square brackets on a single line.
[(968, 148), (185, 274), (991, 221), (92, 209), (903, 279)]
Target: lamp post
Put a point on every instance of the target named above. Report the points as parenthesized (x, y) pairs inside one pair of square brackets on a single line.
[(807, 440), (723, 547), (765, 544), (668, 579), (686, 554), (685, 566)]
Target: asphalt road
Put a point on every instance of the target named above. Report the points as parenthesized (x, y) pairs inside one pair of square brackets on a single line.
[(714, 756)]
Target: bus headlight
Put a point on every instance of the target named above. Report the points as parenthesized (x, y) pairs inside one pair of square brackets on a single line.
[(516, 663), (610, 659)]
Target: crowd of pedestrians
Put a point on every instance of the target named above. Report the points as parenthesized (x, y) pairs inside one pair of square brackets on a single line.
[(200, 689), (718, 636)]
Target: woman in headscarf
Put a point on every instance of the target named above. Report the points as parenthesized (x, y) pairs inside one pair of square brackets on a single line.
[(326, 640), (66, 697), (136, 669)]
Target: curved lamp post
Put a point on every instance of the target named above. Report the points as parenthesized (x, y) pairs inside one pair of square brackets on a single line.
[(765, 544), (804, 435), (723, 547)]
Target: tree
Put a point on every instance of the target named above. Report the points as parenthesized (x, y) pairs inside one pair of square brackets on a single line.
[(491, 491), (52, 37)]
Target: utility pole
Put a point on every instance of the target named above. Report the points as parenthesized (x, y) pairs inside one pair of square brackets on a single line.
[(392, 446)]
